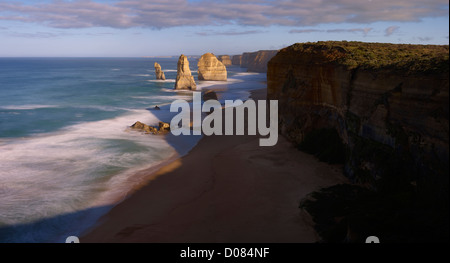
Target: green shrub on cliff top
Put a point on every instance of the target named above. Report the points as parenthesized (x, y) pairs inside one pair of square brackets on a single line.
[(422, 58)]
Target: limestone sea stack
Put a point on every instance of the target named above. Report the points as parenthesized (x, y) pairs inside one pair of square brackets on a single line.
[(210, 68), (159, 73), (226, 60), (184, 80)]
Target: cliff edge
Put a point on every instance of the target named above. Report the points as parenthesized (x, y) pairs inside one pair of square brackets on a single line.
[(257, 61), (387, 104)]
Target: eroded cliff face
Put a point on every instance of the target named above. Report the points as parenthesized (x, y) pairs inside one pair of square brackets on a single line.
[(236, 60), (391, 114), (257, 61)]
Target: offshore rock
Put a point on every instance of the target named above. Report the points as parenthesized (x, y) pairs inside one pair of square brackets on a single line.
[(164, 126), (210, 68), (184, 80), (144, 128), (226, 60), (159, 73)]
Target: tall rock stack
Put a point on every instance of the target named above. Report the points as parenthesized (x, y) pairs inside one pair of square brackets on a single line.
[(184, 80), (210, 68), (226, 60), (159, 73)]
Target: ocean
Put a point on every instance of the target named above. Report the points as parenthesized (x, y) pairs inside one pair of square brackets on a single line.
[(67, 154)]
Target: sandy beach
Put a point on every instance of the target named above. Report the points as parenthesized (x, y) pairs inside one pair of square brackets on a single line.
[(227, 189)]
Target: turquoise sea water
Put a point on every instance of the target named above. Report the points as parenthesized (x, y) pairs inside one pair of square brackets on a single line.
[(66, 153)]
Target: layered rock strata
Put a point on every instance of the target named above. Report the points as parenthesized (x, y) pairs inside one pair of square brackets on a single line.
[(159, 73), (236, 60), (388, 103), (257, 61), (210, 68), (226, 60), (184, 80)]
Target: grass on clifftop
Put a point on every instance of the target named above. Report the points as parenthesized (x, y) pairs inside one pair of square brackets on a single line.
[(423, 58)]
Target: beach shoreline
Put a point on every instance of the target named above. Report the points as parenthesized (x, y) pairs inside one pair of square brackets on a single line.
[(226, 189)]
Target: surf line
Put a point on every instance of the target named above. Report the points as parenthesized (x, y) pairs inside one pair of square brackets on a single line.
[(212, 124)]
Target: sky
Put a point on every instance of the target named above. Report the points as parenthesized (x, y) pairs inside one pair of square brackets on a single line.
[(129, 28)]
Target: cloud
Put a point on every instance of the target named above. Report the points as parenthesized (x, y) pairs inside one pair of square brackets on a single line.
[(229, 33), (365, 31), (391, 30), (99, 34), (163, 14), (301, 31), (425, 39), (37, 34), (75, 14)]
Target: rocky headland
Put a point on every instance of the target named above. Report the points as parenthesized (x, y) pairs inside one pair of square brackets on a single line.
[(257, 61), (236, 60), (383, 111)]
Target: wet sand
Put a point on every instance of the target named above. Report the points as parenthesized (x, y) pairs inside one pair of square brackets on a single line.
[(227, 189)]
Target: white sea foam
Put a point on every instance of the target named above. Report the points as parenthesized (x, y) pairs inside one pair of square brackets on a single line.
[(163, 98), (102, 107), (172, 98), (83, 166), (247, 73), (164, 70), (173, 90), (88, 165), (162, 81), (219, 84), (10, 113), (27, 107), (141, 75)]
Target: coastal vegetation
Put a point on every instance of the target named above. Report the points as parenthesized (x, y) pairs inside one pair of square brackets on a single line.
[(380, 110), (412, 58)]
